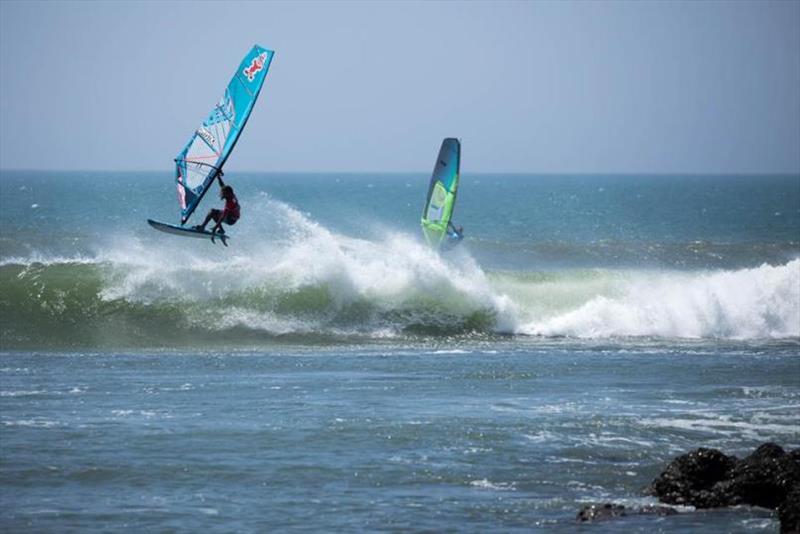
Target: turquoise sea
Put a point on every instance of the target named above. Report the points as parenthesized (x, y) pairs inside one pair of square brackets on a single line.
[(328, 372)]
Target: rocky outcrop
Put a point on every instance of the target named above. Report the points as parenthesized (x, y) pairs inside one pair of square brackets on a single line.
[(764, 478), (707, 478), (691, 479)]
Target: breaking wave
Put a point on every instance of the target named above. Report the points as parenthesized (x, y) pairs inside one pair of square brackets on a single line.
[(763, 302), (291, 278)]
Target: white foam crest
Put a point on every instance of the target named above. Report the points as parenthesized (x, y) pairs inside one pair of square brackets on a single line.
[(763, 302), (279, 247)]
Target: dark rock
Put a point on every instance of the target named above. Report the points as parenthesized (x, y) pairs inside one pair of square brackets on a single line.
[(764, 478), (601, 512), (691, 478), (789, 511), (706, 478), (656, 510), (767, 450)]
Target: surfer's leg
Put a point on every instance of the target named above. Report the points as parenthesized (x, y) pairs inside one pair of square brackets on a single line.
[(212, 214)]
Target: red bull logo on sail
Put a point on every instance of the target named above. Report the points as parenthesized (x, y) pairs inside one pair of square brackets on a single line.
[(256, 65)]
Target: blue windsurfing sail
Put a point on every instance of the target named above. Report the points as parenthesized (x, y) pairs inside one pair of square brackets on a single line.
[(201, 160)]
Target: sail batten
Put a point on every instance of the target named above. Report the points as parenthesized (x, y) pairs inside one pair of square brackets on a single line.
[(202, 159)]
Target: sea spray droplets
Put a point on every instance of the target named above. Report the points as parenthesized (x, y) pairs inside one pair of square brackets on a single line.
[(300, 277)]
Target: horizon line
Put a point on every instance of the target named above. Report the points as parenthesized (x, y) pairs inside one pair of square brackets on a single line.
[(535, 173)]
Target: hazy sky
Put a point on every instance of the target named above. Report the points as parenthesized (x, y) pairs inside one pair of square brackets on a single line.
[(357, 86)]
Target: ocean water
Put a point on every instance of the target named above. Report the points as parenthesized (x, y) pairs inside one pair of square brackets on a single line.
[(328, 372)]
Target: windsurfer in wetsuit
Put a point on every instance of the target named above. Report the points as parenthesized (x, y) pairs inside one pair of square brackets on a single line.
[(228, 215), (454, 235)]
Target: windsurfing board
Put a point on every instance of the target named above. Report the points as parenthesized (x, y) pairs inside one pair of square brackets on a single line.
[(187, 232)]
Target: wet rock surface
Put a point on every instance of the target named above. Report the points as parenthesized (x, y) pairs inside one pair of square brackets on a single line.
[(691, 479), (602, 512), (708, 478)]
